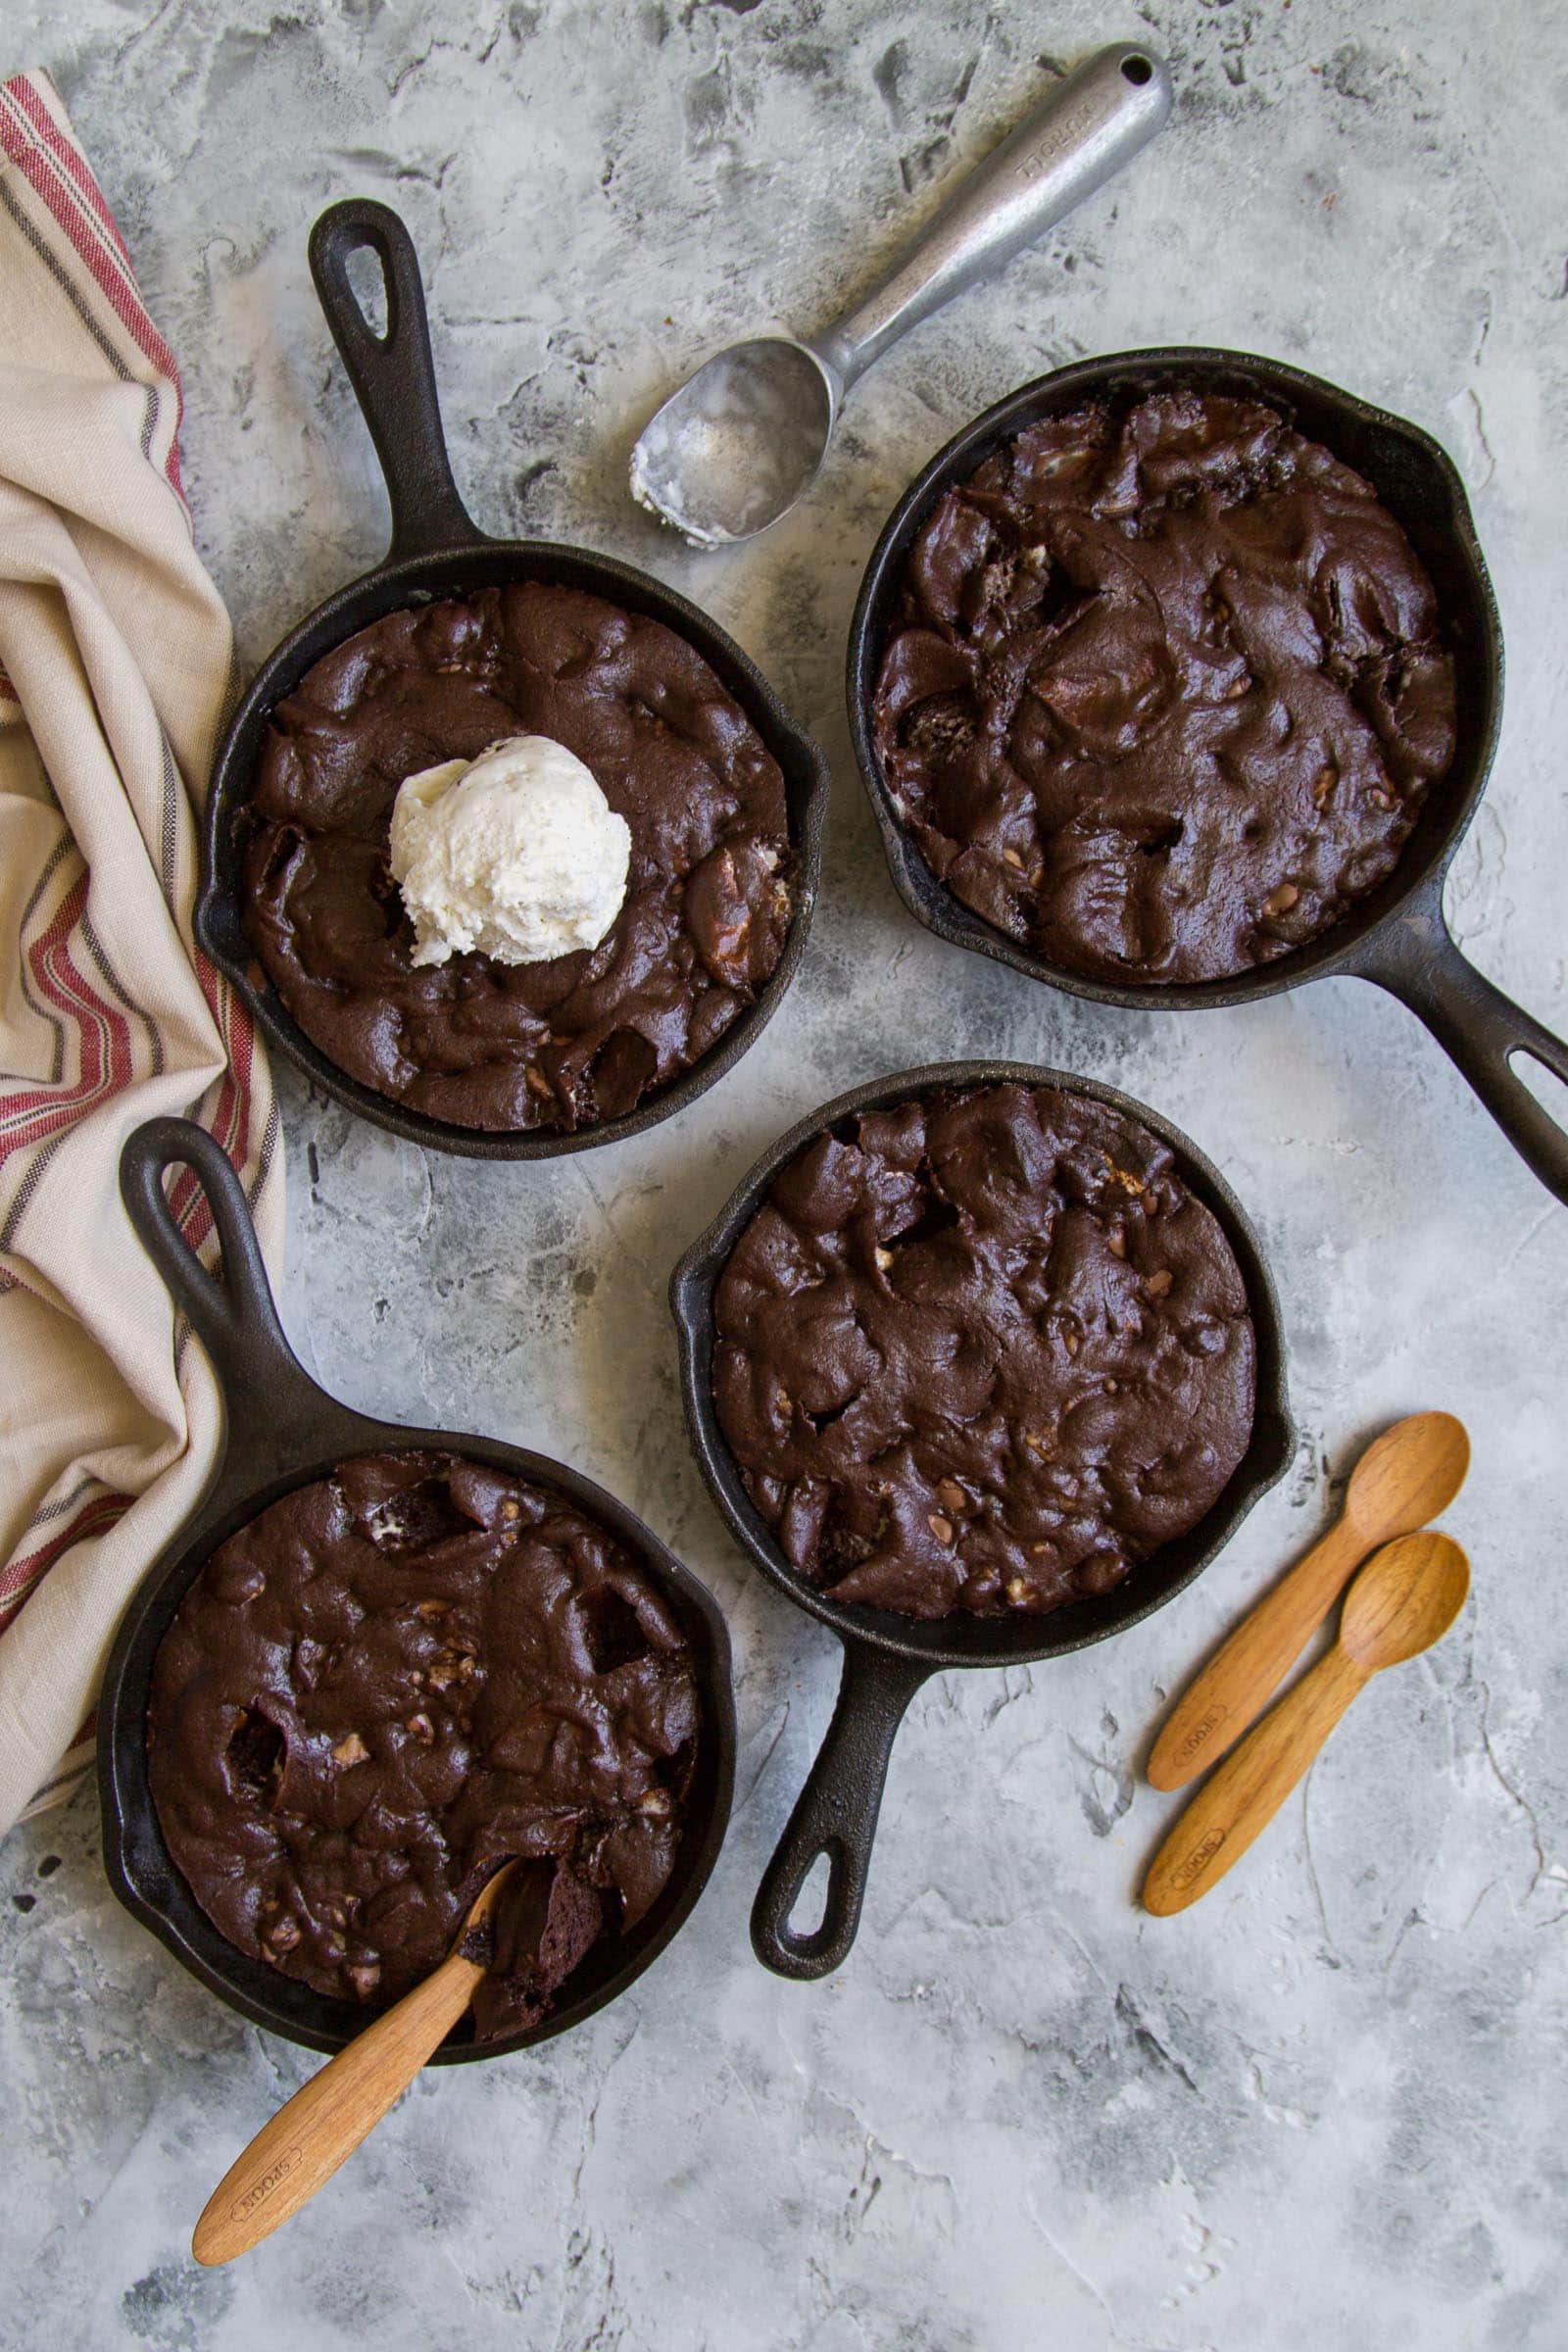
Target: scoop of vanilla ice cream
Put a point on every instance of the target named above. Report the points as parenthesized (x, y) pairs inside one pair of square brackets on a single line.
[(516, 854)]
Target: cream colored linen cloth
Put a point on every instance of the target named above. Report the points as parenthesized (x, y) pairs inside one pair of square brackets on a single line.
[(116, 652)]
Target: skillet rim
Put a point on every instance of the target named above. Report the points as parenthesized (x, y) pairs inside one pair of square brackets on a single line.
[(980, 1641), (408, 582), (143, 1875), (1350, 946)]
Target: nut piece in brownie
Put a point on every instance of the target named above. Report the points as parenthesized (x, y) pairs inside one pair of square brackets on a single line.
[(983, 1351), (579, 1038), (386, 1684), (1165, 690)]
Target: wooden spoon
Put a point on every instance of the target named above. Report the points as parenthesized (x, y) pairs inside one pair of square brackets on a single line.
[(1405, 1598), (324, 2121), (1404, 1478)]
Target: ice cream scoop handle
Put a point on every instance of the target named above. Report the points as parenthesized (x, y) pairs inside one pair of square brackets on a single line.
[(1092, 122)]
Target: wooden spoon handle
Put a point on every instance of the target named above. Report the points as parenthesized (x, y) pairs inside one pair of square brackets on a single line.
[(1241, 1676), (1249, 1787), (326, 2119)]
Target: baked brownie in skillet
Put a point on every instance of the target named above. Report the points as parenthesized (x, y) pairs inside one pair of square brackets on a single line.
[(390, 1682), (580, 1038), (1164, 691), (984, 1352)]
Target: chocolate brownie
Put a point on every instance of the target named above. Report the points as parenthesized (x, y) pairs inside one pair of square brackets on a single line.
[(579, 1038), (983, 1351), (386, 1684), (1164, 688)]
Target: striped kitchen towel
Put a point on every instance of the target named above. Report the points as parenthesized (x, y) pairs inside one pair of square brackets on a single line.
[(114, 655)]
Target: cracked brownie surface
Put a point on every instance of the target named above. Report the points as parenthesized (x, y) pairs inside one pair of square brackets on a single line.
[(1164, 688), (577, 1039), (983, 1351), (390, 1682)]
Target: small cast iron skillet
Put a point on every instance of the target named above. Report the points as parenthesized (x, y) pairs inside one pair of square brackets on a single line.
[(1397, 936), (282, 1431), (436, 550), (887, 1657)]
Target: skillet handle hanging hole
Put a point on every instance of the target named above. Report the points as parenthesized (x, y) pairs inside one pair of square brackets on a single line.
[(1137, 69), (365, 272), (1548, 1083), (231, 1310), (810, 1908), (1489, 1037), (834, 1820), (391, 367)]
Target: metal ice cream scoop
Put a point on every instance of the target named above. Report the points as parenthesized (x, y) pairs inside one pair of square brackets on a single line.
[(742, 438)]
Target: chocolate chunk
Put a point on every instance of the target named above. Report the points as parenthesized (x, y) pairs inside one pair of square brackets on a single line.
[(960, 1365), (1164, 688)]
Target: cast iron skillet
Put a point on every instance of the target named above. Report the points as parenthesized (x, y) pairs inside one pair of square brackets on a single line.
[(887, 1657), (435, 552), (282, 1431), (1397, 936)]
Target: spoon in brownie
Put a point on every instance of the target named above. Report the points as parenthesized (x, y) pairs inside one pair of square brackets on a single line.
[(302, 2146)]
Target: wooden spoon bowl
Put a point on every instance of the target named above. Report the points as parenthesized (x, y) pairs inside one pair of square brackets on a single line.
[(1408, 1476), (1405, 1598)]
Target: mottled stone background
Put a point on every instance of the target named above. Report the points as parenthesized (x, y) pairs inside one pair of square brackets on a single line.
[(1324, 2110)]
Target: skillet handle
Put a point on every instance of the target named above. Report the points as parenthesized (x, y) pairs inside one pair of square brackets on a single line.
[(836, 1815), (231, 1313), (392, 373), (1480, 1028)]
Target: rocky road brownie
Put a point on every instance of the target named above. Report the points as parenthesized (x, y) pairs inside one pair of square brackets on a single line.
[(579, 1038), (1165, 690), (386, 1684), (983, 1351)]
